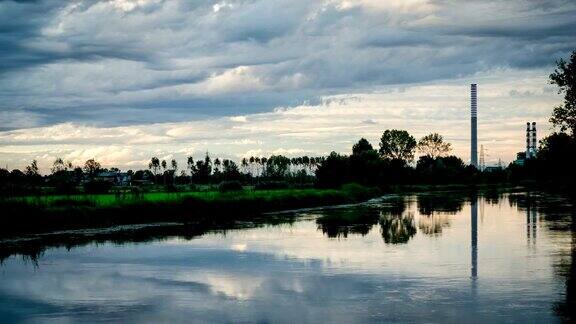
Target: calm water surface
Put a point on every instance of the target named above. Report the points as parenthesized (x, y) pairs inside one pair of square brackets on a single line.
[(425, 258)]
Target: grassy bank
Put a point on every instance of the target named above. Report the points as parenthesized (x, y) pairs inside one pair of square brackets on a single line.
[(50, 213)]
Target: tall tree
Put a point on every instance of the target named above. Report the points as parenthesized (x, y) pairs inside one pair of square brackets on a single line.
[(277, 166), (32, 173), (154, 165), (91, 167), (397, 145), (32, 169), (244, 164), (203, 169), (191, 167), (564, 77), (59, 165), (174, 166), (164, 166), (362, 146), (433, 145), (333, 171)]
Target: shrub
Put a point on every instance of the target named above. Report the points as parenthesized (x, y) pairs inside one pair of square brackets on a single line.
[(171, 188), (97, 187), (228, 186), (268, 185)]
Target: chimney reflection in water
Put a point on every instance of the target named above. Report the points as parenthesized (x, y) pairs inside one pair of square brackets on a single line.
[(531, 223), (474, 236)]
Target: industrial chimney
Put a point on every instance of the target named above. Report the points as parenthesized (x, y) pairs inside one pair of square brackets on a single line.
[(473, 124), (528, 141), (534, 140)]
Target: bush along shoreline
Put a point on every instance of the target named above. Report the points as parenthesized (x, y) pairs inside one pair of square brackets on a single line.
[(27, 216)]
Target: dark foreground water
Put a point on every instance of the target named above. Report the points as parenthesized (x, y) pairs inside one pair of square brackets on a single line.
[(428, 258)]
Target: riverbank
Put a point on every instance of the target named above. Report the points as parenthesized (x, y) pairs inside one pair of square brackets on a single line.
[(42, 214), (52, 213)]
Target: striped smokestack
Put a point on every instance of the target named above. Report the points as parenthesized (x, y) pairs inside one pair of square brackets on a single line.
[(473, 124), (534, 140), (528, 141)]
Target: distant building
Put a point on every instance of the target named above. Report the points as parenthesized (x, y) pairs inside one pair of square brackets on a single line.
[(116, 178), (493, 168), (520, 158)]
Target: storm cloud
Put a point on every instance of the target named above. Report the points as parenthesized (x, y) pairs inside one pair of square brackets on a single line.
[(132, 63), (124, 62)]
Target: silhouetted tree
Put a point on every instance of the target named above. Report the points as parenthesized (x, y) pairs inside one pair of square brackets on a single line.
[(32, 169), (154, 166), (333, 171), (397, 145), (277, 167), (203, 169), (564, 77), (61, 178), (92, 167), (59, 165), (32, 174), (433, 145), (362, 146), (556, 158), (191, 167), (244, 165), (365, 164), (230, 170), (164, 166)]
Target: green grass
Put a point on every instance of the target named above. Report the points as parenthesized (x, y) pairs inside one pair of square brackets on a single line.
[(58, 212), (108, 200)]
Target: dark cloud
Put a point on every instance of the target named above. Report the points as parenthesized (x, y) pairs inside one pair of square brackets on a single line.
[(122, 62)]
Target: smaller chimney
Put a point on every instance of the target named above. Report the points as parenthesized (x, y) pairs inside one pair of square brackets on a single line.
[(528, 142), (534, 140)]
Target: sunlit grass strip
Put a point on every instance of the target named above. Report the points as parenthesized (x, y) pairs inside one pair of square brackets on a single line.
[(103, 200), (33, 214)]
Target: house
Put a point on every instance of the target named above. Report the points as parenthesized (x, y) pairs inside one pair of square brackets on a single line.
[(116, 178)]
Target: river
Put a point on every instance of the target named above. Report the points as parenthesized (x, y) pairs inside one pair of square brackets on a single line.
[(442, 257)]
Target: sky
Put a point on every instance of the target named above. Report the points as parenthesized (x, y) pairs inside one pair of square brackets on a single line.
[(124, 80)]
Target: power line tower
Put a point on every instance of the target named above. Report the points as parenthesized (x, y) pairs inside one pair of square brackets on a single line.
[(482, 165)]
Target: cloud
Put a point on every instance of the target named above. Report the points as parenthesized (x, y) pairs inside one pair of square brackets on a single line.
[(333, 123), (122, 62)]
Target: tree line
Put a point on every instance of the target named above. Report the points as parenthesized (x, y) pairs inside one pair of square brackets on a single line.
[(390, 164)]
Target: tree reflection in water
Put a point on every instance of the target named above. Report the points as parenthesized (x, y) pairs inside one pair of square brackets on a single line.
[(557, 215), (396, 226), (336, 223), (435, 210), (396, 229), (32, 247), (429, 204), (433, 224)]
